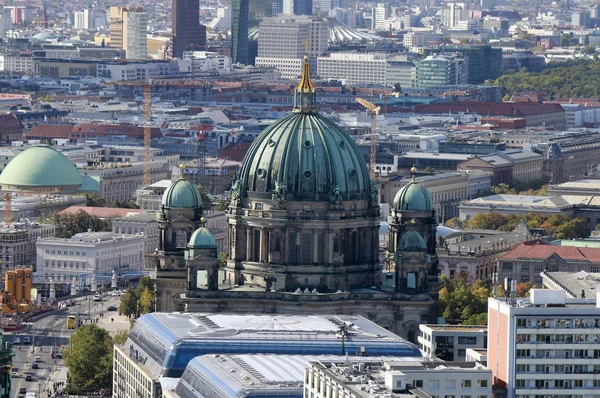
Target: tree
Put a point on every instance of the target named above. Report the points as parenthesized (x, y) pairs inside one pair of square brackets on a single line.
[(429, 170), (523, 289), (68, 224), (95, 200), (120, 337), (462, 299), (125, 204), (222, 260), (146, 301), (573, 229), (89, 359), (223, 205), (144, 283), (129, 303), (206, 199)]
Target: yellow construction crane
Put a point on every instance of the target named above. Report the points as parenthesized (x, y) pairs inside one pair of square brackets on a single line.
[(373, 111)]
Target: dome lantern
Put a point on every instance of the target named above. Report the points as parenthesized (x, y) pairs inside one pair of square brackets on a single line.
[(305, 97)]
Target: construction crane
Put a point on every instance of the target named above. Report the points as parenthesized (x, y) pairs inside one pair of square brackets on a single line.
[(373, 111), (147, 85)]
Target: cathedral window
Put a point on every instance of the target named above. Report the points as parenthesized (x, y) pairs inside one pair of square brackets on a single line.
[(411, 280), (181, 239)]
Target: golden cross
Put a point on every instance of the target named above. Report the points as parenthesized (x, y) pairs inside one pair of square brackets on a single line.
[(306, 44)]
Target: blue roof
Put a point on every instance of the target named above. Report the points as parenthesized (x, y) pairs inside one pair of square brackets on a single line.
[(166, 343)]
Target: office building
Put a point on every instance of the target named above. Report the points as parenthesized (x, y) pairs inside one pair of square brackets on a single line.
[(327, 5), (397, 379), (453, 14), (128, 30), (89, 254), (17, 242), (450, 342), (546, 345), (380, 15), (239, 31), (163, 344), (89, 19), (139, 223), (297, 7), (581, 19), (282, 42), (441, 70), (5, 22), (368, 69), (188, 33)]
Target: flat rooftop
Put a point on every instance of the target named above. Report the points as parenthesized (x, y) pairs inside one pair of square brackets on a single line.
[(457, 328), (166, 342)]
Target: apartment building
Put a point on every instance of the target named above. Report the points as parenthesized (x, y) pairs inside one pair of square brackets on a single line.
[(545, 346), (139, 223), (450, 342), (88, 254), (17, 242), (119, 181), (397, 379), (128, 30)]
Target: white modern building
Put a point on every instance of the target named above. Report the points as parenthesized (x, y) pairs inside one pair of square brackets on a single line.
[(450, 342), (282, 42), (354, 68), (197, 62), (389, 378), (89, 254), (545, 346)]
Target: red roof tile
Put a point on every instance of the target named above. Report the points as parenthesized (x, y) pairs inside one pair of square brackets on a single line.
[(539, 250)]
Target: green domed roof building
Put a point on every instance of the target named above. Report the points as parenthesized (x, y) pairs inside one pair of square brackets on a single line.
[(304, 233), (202, 238), (413, 197), (182, 194), (304, 198), (40, 168)]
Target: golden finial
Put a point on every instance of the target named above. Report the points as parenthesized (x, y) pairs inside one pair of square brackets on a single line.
[(305, 85), (181, 166), (202, 220), (413, 170)]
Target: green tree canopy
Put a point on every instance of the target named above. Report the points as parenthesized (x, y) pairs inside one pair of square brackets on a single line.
[(95, 200), (68, 224), (129, 303), (146, 301), (89, 359), (120, 337), (462, 299)]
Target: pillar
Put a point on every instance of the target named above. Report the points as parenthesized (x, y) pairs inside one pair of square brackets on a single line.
[(316, 236), (248, 243)]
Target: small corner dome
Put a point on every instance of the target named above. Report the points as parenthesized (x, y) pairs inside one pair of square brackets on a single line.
[(182, 194), (412, 240), (202, 238), (40, 167), (413, 197)]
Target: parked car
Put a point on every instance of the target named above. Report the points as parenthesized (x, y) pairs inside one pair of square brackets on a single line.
[(35, 366), (97, 298), (26, 340), (17, 340), (16, 374), (23, 390), (28, 378), (38, 359), (112, 308)]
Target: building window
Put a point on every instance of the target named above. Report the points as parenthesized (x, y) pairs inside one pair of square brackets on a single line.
[(419, 383), (525, 267), (434, 384), (466, 384), (451, 384), (467, 340), (482, 383)]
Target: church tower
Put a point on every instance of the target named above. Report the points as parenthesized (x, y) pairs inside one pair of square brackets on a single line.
[(179, 216)]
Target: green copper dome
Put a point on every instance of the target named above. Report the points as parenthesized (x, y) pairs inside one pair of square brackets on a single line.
[(413, 197), (182, 194), (304, 157), (40, 167), (202, 238), (412, 240)]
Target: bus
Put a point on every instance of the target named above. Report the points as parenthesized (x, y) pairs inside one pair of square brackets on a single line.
[(72, 321)]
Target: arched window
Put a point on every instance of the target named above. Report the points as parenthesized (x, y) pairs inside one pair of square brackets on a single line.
[(181, 239)]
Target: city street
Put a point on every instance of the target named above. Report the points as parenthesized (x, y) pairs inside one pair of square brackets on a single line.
[(47, 335)]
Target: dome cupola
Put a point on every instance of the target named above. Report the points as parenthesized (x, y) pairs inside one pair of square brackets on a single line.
[(202, 238), (182, 194), (412, 241), (413, 197), (304, 157)]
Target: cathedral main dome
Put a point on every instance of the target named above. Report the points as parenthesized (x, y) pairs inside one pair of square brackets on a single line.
[(305, 157)]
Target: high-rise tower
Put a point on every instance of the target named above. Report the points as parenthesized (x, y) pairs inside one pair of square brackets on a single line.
[(188, 33), (128, 27), (239, 31)]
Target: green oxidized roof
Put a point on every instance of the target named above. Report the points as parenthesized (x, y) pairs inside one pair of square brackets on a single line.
[(412, 240), (182, 194), (413, 197), (40, 166), (202, 238), (307, 157)]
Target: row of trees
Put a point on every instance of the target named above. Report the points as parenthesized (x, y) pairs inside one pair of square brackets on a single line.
[(573, 78), (465, 301), (564, 227), (89, 358), (68, 224), (140, 300)]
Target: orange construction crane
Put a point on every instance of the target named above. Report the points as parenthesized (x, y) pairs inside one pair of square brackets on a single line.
[(147, 85), (373, 111)]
